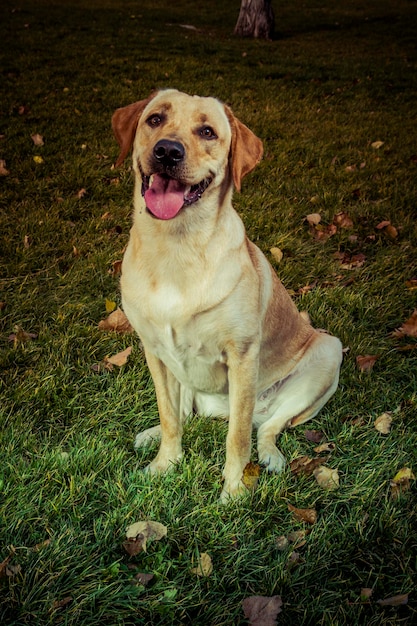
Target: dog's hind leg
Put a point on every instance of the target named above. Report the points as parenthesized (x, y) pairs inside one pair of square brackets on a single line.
[(298, 400)]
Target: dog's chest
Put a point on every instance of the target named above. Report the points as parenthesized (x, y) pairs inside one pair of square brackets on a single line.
[(185, 338)]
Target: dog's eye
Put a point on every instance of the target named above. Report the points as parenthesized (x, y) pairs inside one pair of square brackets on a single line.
[(154, 120), (207, 133)]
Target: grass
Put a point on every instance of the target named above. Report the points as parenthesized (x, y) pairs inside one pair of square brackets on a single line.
[(335, 80)]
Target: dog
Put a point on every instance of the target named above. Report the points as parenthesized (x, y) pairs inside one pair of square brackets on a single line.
[(220, 333)]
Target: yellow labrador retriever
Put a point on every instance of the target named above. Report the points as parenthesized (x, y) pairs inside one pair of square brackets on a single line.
[(221, 334)]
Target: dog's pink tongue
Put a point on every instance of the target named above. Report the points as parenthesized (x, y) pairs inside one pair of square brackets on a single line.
[(165, 197)]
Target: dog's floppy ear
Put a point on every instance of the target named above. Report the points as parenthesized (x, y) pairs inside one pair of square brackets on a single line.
[(245, 151), (124, 123)]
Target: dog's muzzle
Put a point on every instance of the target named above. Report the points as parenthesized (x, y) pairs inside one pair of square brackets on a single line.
[(164, 192)]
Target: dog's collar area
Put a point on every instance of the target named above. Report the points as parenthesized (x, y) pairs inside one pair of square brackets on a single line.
[(166, 196)]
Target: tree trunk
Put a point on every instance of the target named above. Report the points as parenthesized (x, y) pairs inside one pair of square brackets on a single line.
[(256, 19)]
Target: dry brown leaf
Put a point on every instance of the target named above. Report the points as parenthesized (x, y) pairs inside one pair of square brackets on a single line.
[(323, 233), (116, 321), (383, 423), (313, 219), (327, 478), (305, 465), (411, 283), (408, 329), (377, 144), (327, 446), (3, 170), (303, 515), (366, 593), (277, 254), (366, 362), (262, 610), (139, 533), (351, 168), (118, 359), (394, 600), (37, 139), (302, 290), (315, 436), (116, 268), (21, 336), (298, 538), (281, 542), (27, 242), (204, 567), (143, 579), (401, 482), (342, 220), (61, 604), (251, 475), (352, 261)]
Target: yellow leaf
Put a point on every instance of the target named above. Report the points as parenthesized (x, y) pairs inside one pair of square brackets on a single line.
[(38, 159), (327, 478), (205, 565), (251, 475), (110, 305), (383, 423), (404, 474), (277, 254), (377, 144)]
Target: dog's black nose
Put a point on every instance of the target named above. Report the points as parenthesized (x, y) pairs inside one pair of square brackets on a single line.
[(169, 152)]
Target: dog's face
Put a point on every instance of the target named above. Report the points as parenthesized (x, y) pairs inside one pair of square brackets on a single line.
[(184, 147), (180, 149)]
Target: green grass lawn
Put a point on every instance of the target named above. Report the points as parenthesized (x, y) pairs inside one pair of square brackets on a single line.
[(338, 79)]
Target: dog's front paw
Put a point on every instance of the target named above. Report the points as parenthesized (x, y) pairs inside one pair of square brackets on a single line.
[(271, 458), (162, 464), (233, 492), (147, 437)]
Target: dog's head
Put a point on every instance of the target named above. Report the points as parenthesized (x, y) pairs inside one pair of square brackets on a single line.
[(182, 146)]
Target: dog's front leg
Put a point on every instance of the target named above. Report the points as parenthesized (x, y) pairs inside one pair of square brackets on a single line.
[(168, 394), (242, 375)]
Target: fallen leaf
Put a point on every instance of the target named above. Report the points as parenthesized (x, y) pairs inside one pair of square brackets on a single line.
[(262, 610), (411, 284), (21, 336), (139, 533), (382, 224), (313, 219), (204, 567), (352, 261), (366, 594), (143, 579), (305, 465), (281, 542), (38, 159), (303, 515), (37, 139), (61, 604), (118, 359), (302, 290), (394, 600), (298, 538), (81, 193), (351, 168), (3, 170), (277, 254), (342, 220), (315, 436), (377, 144), (404, 475), (408, 329), (251, 475), (110, 306), (366, 362), (106, 216), (116, 321), (327, 446), (323, 233), (12, 570), (327, 478), (27, 242), (116, 268), (383, 423)]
